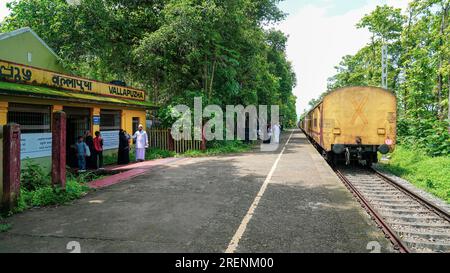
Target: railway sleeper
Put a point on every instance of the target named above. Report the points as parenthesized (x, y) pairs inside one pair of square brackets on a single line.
[(395, 222), (411, 217), (373, 188), (429, 235), (386, 190), (426, 245), (404, 211), (372, 185), (397, 205), (384, 196), (390, 200)]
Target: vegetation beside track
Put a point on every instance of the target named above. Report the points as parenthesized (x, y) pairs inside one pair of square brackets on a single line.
[(221, 148), (418, 42), (428, 173)]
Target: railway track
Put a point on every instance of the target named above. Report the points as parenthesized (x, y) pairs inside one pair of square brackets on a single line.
[(412, 223)]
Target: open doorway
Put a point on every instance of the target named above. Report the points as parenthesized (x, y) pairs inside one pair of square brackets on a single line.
[(135, 125), (78, 122)]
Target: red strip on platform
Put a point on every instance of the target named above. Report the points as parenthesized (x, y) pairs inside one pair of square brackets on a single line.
[(129, 171)]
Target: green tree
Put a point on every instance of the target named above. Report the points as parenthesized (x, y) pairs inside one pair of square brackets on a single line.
[(419, 48), (175, 49)]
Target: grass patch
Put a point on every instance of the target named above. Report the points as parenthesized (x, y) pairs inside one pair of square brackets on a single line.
[(431, 174), (150, 154), (37, 191), (4, 227), (50, 196), (215, 148), (220, 148)]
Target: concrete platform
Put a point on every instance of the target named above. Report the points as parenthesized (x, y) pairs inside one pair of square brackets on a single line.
[(201, 204)]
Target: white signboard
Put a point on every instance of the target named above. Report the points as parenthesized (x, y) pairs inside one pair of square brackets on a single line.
[(35, 145), (110, 140)]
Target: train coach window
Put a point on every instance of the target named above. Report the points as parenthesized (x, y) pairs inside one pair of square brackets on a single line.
[(315, 122)]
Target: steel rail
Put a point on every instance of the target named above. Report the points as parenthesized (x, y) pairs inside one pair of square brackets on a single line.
[(388, 231), (439, 211)]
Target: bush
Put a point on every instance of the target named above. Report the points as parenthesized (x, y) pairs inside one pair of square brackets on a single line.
[(34, 177), (221, 147), (427, 134), (42, 193), (48, 195), (156, 153), (428, 173), (4, 227)]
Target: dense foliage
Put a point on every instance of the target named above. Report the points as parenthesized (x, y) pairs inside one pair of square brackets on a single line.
[(37, 191), (419, 69), (426, 172), (223, 51)]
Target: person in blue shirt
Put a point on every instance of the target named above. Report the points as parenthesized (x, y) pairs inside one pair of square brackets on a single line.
[(82, 152)]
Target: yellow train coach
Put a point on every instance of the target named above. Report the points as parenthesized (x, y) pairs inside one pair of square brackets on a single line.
[(353, 124)]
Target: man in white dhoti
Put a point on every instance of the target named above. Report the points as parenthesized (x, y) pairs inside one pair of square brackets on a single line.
[(276, 131), (141, 143)]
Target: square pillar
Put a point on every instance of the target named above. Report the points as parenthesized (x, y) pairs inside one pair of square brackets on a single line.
[(203, 144), (124, 120), (95, 112), (59, 149), (3, 112), (57, 108), (11, 166)]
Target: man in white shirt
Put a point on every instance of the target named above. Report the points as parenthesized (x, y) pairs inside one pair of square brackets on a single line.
[(276, 133), (141, 143)]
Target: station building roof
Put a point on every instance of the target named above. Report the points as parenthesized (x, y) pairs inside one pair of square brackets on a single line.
[(32, 91)]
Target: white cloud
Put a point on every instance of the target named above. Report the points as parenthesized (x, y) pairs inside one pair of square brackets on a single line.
[(317, 42), (4, 11)]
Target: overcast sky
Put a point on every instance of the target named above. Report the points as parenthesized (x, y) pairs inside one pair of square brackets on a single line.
[(320, 33), (3, 10)]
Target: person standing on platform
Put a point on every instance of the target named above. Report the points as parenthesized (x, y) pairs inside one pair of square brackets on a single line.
[(268, 134), (124, 148), (89, 140), (98, 149), (141, 139), (82, 152), (276, 133)]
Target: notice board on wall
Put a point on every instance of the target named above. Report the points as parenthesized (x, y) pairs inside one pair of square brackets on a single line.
[(35, 145), (110, 140)]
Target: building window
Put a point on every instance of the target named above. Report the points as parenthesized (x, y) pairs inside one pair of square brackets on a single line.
[(31, 118), (110, 120)]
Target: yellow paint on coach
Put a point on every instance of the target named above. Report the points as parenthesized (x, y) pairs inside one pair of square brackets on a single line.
[(366, 112)]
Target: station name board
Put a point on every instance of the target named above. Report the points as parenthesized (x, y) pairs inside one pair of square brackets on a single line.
[(30, 75)]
